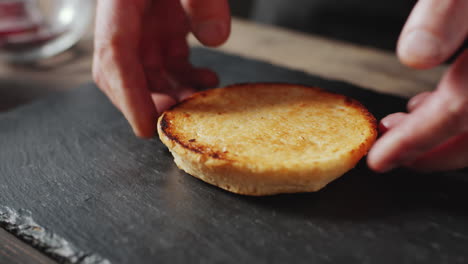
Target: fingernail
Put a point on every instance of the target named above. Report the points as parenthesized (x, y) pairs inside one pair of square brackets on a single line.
[(416, 101), (412, 103), (391, 121), (420, 46), (384, 125), (211, 32)]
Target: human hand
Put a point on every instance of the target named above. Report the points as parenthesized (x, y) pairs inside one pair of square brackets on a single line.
[(141, 59), (434, 134)]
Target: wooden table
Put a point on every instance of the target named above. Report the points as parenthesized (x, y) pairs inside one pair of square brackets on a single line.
[(362, 66)]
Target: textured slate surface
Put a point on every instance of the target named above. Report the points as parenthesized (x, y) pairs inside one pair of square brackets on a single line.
[(72, 161)]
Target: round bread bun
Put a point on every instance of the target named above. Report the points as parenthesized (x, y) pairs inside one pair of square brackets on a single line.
[(267, 138)]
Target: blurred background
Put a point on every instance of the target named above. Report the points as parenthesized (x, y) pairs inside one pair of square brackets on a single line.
[(364, 22)]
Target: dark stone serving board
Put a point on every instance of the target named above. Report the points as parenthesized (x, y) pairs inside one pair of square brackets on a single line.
[(76, 183)]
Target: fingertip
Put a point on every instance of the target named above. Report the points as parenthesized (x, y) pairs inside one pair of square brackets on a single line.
[(142, 123), (371, 164), (162, 102), (144, 134), (143, 128), (374, 162), (206, 78), (212, 33), (383, 155), (185, 93), (420, 49), (210, 20)]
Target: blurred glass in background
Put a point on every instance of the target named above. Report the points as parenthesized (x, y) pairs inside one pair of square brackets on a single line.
[(31, 30)]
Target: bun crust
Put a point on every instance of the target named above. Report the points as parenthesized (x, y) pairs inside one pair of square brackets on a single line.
[(267, 138)]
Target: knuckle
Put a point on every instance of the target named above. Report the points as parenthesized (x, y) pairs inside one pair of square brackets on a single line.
[(108, 50), (96, 74), (106, 56)]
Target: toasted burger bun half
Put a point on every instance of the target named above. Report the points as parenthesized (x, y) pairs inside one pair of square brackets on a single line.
[(267, 138)]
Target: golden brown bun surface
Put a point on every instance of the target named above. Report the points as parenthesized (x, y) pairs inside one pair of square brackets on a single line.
[(263, 139)]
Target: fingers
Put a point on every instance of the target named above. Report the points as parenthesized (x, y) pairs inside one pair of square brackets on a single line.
[(143, 67), (433, 32), (416, 134), (116, 67), (441, 116), (451, 155), (210, 20), (393, 120)]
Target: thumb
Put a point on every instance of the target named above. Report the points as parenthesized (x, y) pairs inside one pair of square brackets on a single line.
[(210, 20), (434, 31)]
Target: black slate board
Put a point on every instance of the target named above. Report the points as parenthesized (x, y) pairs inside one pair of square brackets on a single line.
[(72, 162)]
